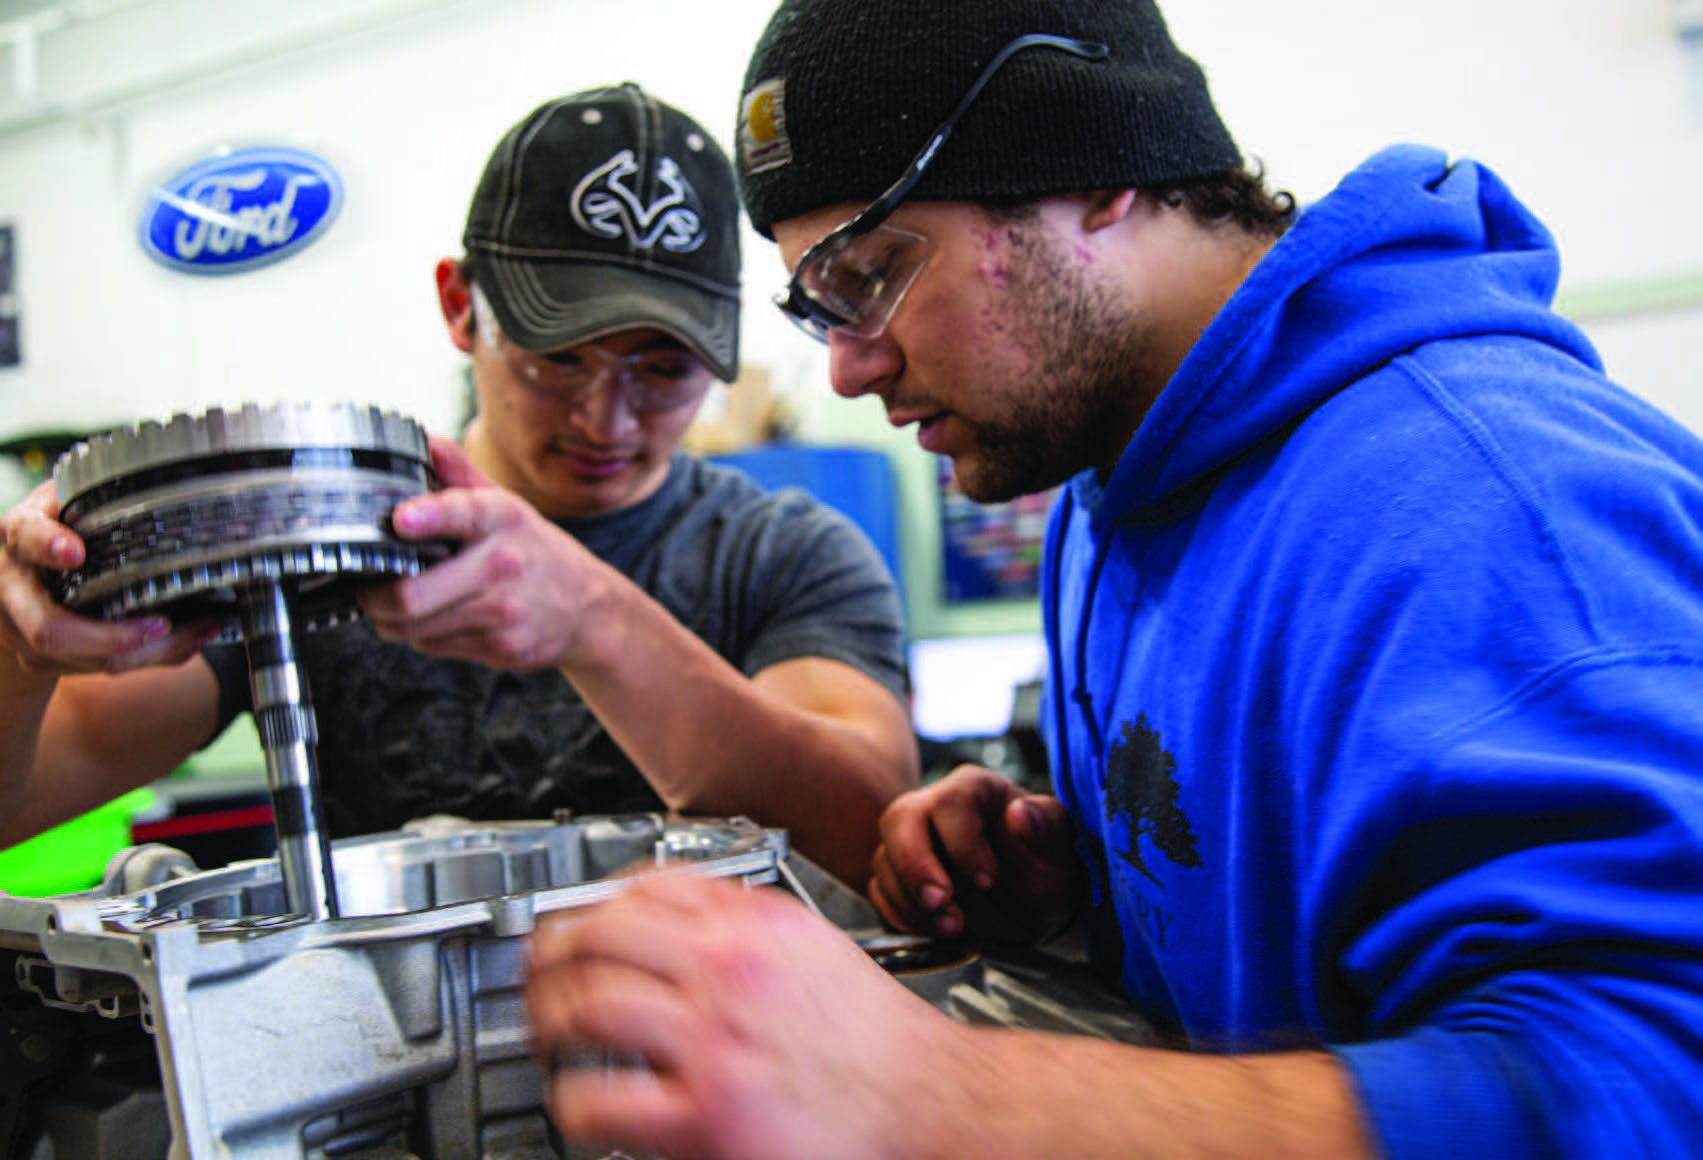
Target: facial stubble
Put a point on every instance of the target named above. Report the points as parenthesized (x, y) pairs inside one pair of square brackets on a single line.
[(1079, 403)]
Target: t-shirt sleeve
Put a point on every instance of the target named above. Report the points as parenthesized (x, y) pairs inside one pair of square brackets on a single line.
[(229, 662), (823, 591)]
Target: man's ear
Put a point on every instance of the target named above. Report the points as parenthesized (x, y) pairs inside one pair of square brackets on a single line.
[(1107, 207), (455, 299)]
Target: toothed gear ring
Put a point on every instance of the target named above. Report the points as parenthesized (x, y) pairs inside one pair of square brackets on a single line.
[(177, 516)]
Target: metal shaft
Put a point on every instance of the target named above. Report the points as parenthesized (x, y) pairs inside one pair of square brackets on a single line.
[(283, 714)]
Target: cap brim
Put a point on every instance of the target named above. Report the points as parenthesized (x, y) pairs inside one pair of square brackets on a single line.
[(544, 306)]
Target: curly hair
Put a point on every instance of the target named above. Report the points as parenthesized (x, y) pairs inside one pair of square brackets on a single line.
[(1239, 197)]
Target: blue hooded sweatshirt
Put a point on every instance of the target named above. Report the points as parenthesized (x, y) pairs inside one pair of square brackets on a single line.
[(1377, 688)]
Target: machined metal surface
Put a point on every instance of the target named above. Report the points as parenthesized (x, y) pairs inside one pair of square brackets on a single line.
[(179, 1015), (182, 516), (289, 734), (397, 1026)]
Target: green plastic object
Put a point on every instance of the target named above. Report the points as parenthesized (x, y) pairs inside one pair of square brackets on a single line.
[(72, 857)]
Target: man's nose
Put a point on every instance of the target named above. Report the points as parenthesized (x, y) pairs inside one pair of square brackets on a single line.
[(856, 364), (601, 404)]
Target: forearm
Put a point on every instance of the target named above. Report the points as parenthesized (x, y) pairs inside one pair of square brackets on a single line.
[(26, 696), (811, 745), (1025, 1094), (98, 736)]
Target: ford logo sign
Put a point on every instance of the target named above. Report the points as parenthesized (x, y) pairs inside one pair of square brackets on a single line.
[(243, 209)]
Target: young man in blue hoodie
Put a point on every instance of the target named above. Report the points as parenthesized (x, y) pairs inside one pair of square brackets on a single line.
[(1375, 614)]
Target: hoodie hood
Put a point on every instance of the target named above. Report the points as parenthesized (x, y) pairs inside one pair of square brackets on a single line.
[(1410, 248)]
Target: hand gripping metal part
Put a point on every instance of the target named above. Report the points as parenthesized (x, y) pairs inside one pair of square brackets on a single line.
[(396, 1031), (183, 516), (265, 519)]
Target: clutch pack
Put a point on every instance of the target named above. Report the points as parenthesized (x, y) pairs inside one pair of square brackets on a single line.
[(180, 517)]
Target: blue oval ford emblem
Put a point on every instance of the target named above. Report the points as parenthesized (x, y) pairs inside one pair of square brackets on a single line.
[(241, 210)]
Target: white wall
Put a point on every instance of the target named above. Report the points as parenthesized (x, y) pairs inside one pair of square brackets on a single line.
[(407, 110), (1592, 109)]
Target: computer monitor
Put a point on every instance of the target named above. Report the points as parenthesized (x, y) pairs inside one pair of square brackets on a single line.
[(965, 686)]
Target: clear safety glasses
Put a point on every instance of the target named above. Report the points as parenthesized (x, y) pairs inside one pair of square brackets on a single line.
[(650, 381), (854, 278)]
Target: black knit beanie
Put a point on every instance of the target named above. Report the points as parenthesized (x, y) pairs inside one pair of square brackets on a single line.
[(841, 94)]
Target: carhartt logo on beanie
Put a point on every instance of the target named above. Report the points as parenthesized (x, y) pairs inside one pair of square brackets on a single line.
[(840, 94)]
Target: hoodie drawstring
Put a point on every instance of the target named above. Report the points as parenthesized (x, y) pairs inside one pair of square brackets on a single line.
[(1079, 694)]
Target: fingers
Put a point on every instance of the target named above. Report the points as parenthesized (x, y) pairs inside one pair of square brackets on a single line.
[(453, 466), (416, 607), (599, 1108), (32, 536), (634, 928), (607, 1038), (49, 638), (473, 516), (625, 1010), (674, 928), (729, 995), (908, 886), (934, 839), (34, 539), (932, 912), (970, 828), (458, 513), (975, 855), (634, 979), (913, 880), (512, 652), (1042, 826), (513, 597), (476, 606), (466, 506), (160, 643)]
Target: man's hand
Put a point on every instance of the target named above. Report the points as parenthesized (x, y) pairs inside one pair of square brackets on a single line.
[(767, 1032), (974, 855), (515, 596), (45, 638)]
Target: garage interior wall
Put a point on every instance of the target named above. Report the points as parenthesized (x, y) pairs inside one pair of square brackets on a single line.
[(1591, 109)]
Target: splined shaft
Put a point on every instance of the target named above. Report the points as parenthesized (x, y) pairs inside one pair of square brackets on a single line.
[(265, 519), (283, 713)]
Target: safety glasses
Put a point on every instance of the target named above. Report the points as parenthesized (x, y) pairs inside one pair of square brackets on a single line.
[(650, 381), (854, 278)]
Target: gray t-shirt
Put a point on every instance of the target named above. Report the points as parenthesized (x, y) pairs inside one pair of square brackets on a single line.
[(761, 577)]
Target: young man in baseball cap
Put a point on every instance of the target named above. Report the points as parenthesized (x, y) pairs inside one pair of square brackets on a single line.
[(1375, 622), (624, 627)]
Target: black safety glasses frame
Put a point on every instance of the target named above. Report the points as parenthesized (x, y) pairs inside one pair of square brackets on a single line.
[(816, 317)]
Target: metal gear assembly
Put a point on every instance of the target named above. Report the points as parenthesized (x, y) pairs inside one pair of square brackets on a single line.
[(182, 516), (263, 518)]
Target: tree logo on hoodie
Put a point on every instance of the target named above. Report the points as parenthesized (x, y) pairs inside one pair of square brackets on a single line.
[(1142, 789)]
